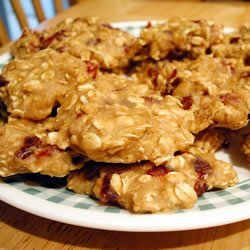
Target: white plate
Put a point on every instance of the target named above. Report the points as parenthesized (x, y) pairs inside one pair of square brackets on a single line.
[(212, 209)]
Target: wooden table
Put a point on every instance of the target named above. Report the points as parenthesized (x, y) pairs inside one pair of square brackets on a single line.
[(20, 230)]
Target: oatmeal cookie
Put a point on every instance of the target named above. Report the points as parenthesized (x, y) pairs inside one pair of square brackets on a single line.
[(23, 149), (210, 140), (215, 89), (33, 85), (116, 120), (144, 187), (85, 38), (235, 45), (140, 188), (213, 93), (181, 37)]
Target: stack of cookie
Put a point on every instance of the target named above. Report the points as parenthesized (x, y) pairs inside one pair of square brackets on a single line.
[(133, 121)]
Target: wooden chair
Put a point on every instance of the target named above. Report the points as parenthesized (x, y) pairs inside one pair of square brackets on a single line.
[(23, 21)]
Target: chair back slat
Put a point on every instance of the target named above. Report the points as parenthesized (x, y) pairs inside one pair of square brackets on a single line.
[(19, 13), (39, 10), (58, 6), (22, 18)]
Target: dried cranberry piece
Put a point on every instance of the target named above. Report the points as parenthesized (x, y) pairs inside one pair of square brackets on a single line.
[(234, 39), (80, 114), (92, 69), (200, 187), (32, 141), (230, 99), (201, 167), (149, 99), (159, 171), (106, 192), (187, 102), (46, 151), (205, 92), (169, 90), (46, 42), (172, 75), (23, 153), (26, 151), (176, 82), (153, 74)]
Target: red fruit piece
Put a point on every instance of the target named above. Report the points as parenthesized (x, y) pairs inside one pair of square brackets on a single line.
[(187, 102), (201, 167), (32, 141), (159, 171), (92, 69), (107, 193)]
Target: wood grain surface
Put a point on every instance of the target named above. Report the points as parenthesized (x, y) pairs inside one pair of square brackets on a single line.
[(20, 230)]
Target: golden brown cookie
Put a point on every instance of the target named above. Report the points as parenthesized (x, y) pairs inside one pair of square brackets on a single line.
[(32, 85), (113, 119), (213, 93), (235, 45), (86, 38), (210, 140), (215, 89), (180, 37), (140, 188), (24, 149), (144, 187)]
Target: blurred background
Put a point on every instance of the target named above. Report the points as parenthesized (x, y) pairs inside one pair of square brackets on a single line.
[(16, 14), (10, 20)]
